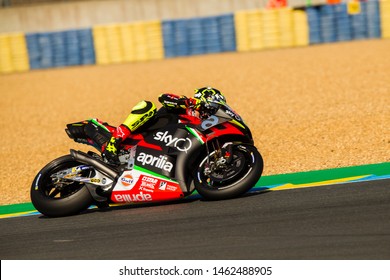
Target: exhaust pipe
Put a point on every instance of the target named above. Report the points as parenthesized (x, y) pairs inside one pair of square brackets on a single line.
[(98, 164)]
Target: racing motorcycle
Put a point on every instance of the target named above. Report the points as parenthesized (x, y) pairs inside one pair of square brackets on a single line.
[(169, 158)]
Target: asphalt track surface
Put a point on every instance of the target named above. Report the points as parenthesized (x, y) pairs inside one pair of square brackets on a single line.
[(344, 221)]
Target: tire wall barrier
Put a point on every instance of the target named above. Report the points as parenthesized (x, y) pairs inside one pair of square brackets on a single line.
[(274, 28), (13, 53), (199, 36), (245, 30), (118, 43), (384, 8), (59, 49)]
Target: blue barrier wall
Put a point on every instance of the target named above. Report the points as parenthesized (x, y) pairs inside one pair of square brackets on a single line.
[(58, 49), (228, 33), (342, 23), (327, 24), (373, 19), (359, 24), (332, 23), (199, 36), (313, 18)]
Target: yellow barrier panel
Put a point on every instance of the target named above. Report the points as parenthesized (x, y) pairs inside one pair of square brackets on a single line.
[(286, 27), (19, 52), (242, 38), (255, 30), (5, 55), (271, 28), (114, 43), (301, 28), (127, 35), (140, 41), (385, 18), (154, 38), (100, 42), (13, 53)]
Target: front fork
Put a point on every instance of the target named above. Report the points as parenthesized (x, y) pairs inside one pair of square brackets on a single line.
[(221, 157)]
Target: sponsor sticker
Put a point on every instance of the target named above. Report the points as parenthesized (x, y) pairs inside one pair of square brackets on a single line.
[(148, 183), (181, 144), (138, 186), (160, 162), (171, 188), (140, 197), (163, 186), (127, 180), (166, 186)]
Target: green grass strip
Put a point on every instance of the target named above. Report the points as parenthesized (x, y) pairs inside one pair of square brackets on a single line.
[(325, 175), (379, 169), (16, 208)]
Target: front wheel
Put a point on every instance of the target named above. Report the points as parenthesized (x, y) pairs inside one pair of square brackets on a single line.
[(54, 197), (228, 174)]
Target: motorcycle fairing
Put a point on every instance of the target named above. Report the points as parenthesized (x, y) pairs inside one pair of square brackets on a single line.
[(141, 185), (159, 162), (166, 149), (179, 145)]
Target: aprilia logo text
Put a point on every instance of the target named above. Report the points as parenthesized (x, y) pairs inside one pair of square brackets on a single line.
[(159, 162), (133, 197)]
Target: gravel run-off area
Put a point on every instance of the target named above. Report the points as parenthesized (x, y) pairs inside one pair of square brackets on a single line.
[(309, 108)]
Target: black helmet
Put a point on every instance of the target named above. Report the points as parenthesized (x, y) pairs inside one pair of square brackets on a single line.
[(210, 99)]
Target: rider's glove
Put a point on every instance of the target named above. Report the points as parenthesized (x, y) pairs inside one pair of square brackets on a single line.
[(192, 103)]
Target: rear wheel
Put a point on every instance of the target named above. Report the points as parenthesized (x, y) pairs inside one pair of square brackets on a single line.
[(226, 174), (55, 197)]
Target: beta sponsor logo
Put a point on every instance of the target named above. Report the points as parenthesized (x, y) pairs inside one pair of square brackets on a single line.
[(181, 144), (140, 197), (171, 188), (160, 162), (127, 180), (165, 186)]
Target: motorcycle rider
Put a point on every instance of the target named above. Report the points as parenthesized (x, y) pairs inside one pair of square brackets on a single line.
[(203, 104)]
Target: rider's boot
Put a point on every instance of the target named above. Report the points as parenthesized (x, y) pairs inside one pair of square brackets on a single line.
[(97, 133), (110, 151)]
